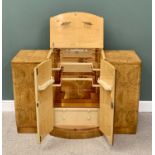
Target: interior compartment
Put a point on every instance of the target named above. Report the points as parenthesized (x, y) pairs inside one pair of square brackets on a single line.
[(75, 73)]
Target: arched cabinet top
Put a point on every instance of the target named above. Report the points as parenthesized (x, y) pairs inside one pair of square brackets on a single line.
[(76, 30)]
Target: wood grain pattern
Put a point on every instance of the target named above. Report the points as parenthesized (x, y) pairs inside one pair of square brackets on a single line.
[(122, 56), (106, 114), (77, 53), (128, 77), (78, 73), (24, 96), (76, 30), (76, 67), (77, 92), (81, 55), (30, 56), (23, 87), (44, 99), (27, 129), (76, 134), (77, 103)]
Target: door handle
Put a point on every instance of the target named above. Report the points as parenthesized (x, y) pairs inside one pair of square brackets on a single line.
[(45, 85)]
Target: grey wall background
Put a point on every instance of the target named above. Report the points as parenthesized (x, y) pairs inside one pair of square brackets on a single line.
[(128, 25)]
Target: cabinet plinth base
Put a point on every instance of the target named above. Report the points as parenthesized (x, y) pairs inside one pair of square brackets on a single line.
[(26, 129), (76, 133)]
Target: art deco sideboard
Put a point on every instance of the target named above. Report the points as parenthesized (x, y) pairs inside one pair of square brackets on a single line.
[(76, 89)]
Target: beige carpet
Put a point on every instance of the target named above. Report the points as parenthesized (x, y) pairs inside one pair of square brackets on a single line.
[(25, 144)]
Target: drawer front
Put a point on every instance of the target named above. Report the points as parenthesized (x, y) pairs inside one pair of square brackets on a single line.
[(85, 117)]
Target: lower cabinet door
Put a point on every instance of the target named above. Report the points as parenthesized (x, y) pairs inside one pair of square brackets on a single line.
[(44, 98), (107, 89)]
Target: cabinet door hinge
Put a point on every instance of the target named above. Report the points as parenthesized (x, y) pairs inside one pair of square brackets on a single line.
[(37, 104), (112, 105), (37, 71)]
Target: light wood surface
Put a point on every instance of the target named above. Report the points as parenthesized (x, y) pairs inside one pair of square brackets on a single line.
[(76, 86), (77, 52), (122, 56), (103, 54), (76, 67), (76, 30), (106, 114), (77, 127), (105, 85), (44, 99), (81, 56), (76, 117), (78, 103), (128, 79), (46, 84), (30, 56)]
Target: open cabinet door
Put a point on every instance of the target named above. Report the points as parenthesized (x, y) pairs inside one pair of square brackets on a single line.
[(107, 89), (44, 98)]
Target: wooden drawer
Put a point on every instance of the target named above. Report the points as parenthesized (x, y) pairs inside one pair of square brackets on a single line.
[(76, 117)]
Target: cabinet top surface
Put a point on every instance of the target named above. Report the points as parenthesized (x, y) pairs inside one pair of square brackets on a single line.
[(122, 56), (30, 56)]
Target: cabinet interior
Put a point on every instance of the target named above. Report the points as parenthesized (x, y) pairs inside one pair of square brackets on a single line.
[(75, 72)]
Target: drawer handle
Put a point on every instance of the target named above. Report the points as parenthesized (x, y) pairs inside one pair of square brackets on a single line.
[(87, 23), (88, 118), (88, 110), (65, 23)]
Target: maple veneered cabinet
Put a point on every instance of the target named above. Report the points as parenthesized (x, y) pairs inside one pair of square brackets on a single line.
[(72, 101), (71, 90)]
